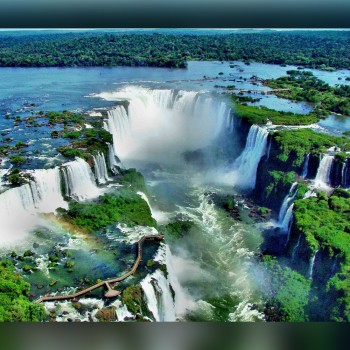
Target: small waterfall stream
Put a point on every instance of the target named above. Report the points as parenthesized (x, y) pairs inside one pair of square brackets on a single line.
[(295, 249), (101, 173), (312, 265), (305, 166)]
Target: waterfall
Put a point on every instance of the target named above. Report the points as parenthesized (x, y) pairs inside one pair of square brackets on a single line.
[(345, 182), (295, 249), (145, 198), (324, 170), (19, 206), (160, 125), (288, 199), (118, 124), (285, 224), (269, 149), (183, 301), (312, 264), (79, 180), (305, 166), (101, 173), (246, 164), (46, 190), (158, 297), (112, 160)]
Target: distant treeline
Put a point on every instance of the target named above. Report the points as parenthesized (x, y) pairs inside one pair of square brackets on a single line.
[(308, 49)]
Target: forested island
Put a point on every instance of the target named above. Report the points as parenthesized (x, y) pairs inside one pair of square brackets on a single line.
[(322, 50)]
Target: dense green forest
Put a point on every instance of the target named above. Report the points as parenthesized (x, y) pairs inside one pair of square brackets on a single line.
[(324, 222), (304, 86), (262, 114), (14, 303), (319, 49)]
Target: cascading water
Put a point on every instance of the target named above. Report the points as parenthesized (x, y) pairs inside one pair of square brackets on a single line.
[(158, 296), (295, 249), (79, 180), (345, 170), (285, 224), (246, 165), (112, 161), (101, 173), (312, 264), (46, 190), (118, 124), (324, 171), (17, 209), (19, 206), (305, 166), (287, 203), (161, 125)]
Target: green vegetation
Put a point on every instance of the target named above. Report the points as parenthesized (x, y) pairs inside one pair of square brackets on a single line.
[(66, 118), (304, 86), (71, 135), (317, 49), (14, 303), (294, 145), (177, 229), (278, 182), (17, 178), (287, 290), (133, 178), (132, 298), (324, 222), (17, 160), (123, 206), (87, 142), (262, 114)]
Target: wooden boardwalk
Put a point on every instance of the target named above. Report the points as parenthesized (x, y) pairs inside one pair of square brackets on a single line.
[(111, 292)]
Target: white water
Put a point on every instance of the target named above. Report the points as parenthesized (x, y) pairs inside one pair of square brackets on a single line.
[(324, 171), (79, 180), (285, 224), (158, 297), (246, 165), (162, 124), (122, 311), (20, 206), (158, 215), (312, 264), (227, 243), (112, 161), (100, 167), (131, 234), (288, 199), (344, 173), (46, 190), (305, 166), (183, 301)]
